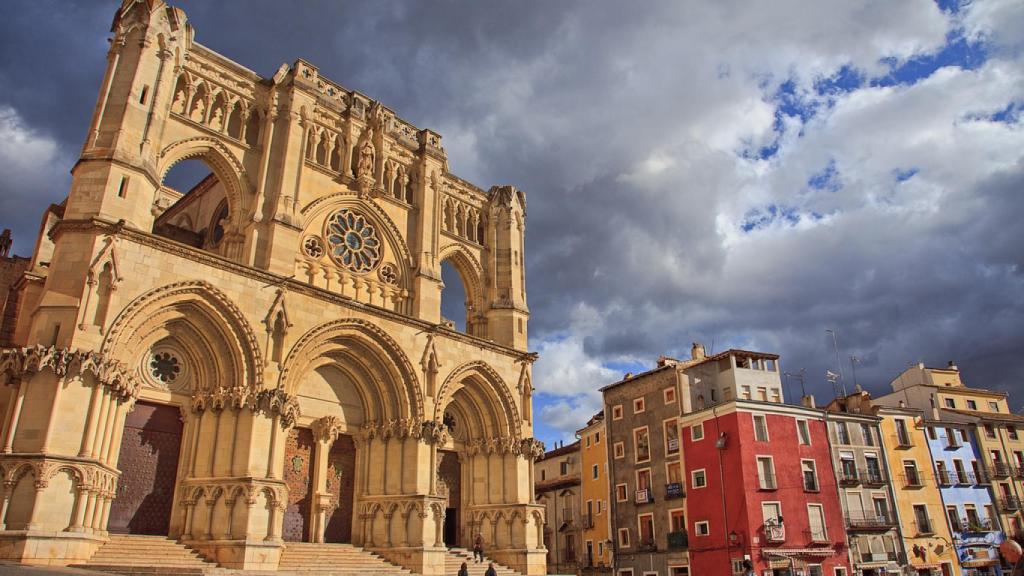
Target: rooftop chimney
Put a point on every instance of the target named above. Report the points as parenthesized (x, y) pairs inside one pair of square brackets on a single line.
[(697, 351), (808, 401), (952, 366)]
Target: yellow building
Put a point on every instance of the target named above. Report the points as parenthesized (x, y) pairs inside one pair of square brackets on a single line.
[(999, 432), (595, 488), (930, 550)]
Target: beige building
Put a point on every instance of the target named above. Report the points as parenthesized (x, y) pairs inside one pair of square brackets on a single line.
[(261, 359), (557, 476)]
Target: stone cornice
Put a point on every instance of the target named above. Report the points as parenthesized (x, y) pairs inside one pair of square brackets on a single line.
[(22, 362), (202, 257)]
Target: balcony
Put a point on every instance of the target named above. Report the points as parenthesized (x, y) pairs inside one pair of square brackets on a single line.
[(879, 557), (903, 440), (767, 482), (674, 490), (774, 532), (973, 527), (644, 496), (678, 540), (944, 478), (870, 521), (1008, 503), (1001, 470), (849, 477), (873, 477), (913, 480), (1020, 471)]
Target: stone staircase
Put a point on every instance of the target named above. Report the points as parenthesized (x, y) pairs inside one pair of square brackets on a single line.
[(333, 560), (149, 555), (456, 556)]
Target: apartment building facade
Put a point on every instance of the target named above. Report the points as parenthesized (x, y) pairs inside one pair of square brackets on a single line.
[(596, 514), (761, 487), (557, 486), (648, 500), (865, 486)]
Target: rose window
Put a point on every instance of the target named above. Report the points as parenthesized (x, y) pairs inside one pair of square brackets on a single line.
[(353, 241), (164, 367)]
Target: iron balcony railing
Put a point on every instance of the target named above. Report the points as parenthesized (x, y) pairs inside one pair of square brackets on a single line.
[(913, 480), (1008, 503), (871, 477), (849, 477), (678, 540), (964, 478), (973, 526), (1000, 469), (879, 557), (870, 521), (775, 532), (674, 490), (1020, 471), (944, 478)]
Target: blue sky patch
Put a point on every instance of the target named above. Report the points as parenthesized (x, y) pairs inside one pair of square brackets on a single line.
[(904, 175), (827, 179), (958, 51)]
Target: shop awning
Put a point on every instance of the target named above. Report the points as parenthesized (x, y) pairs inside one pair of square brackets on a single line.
[(979, 563), (790, 552)]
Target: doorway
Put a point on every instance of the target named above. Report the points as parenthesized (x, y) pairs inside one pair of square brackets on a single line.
[(298, 476), (148, 462), (341, 470), (449, 480)]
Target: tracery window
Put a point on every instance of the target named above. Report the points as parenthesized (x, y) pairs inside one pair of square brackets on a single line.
[(353, 241)]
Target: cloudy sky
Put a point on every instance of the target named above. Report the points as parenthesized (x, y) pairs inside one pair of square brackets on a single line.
[(740, 174)]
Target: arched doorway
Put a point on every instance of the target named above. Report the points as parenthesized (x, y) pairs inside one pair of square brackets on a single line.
[(148, 461), (450, 487)]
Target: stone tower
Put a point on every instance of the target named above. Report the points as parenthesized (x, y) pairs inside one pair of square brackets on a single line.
[(261, 358)]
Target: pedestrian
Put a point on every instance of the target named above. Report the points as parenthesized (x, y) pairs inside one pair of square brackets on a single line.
[(478, 548), (748, 568), (490, 570), (464, 570)]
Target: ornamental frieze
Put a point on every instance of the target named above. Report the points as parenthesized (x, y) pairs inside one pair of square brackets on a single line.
[(66, 364)]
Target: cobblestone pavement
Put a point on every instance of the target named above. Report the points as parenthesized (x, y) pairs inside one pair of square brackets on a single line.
[(12, 569)]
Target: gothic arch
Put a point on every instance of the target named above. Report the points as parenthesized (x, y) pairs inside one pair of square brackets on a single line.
[(225, 166), (222, 334), (487, 391), (364, 348), (470, 271)]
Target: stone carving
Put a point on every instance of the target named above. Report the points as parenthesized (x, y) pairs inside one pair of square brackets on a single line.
[(354, 242), (21, 362)]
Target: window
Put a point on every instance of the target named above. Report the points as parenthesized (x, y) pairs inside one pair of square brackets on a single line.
[(543, 475), (670, 395), (814, 570), (619, 450), (840, 571), (588, 441), (698, 479), (702, 528), (847, 467), (873, 469), (842, 433), (600, 506), (676, 520), (595, 471), (597, 437), (771, 513), (760, 428), (746, 392), (122, 189), (816, 520), (902, 433), (961, 473), (950, 403), (697, 432), (869, 438), (766, 473), (954, 519), (932, 434), (621, 493), (563, 468), (641, 444), (646, 528), (617, 412), (803, 432), (762, 394), (643, 479), (972, 516), (990, 431), (993, 406), (673, 473), (1012, 431), (624, 542), (979, 474), (638, 405), (671, 436), (626, 571), (911, 476), (1019, 457), (810, 475), (921, 519), (972, 405), (952, 441)]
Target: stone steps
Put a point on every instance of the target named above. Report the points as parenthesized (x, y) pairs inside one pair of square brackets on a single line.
[(334, 560), (149, 556), (456, 556)]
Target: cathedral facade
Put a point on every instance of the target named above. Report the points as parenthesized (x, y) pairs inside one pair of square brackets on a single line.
[(261, 359)]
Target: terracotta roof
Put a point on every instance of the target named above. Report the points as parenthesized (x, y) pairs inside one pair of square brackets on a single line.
[(574, 447), (997, 416), (556, 483)]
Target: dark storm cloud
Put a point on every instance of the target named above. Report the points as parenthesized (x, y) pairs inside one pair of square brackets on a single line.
[(636, 134)]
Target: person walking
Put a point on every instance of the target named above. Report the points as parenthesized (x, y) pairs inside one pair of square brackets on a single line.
[(464, 570), (490, 570), (478, 548), (748, 568)]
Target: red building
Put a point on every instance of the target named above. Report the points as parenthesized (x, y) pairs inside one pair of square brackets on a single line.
[(762, 488)]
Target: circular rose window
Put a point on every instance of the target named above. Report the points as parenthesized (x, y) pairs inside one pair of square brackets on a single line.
[(353, 241), (164, 367)]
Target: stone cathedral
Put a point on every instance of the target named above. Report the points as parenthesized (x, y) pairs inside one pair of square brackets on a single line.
[(261, 359)]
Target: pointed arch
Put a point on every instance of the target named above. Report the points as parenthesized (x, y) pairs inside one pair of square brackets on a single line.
[(227, 168), (490, 402), (386, 377), (216, 330)]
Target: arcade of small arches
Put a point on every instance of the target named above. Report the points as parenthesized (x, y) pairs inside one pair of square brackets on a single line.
[(341, 444)]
